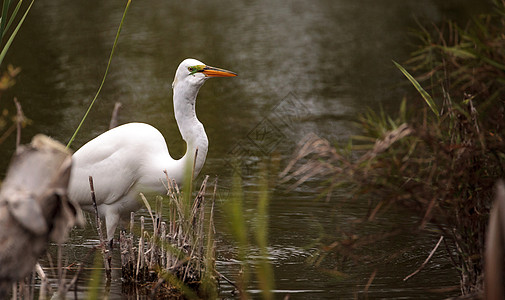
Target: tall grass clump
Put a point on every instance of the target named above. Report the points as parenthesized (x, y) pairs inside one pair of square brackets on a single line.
[(441, 161), (176, 258)]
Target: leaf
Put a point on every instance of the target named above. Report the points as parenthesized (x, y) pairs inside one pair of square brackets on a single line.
[(427, 98), (104, 75), (5, 10), (362, 138), (146, 203), (13, 15), (492, 62), (14, 33), (403, 111)]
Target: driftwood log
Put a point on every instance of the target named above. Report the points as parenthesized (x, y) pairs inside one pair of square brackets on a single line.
[(34, 208)]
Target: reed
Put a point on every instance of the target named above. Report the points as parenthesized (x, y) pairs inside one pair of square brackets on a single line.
[(441, 165), (176, 258), (104, 75)]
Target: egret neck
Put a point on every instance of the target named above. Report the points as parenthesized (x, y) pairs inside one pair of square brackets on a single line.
[(192, 130)]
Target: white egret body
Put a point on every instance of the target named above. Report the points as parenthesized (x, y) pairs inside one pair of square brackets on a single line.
[(132, 158)]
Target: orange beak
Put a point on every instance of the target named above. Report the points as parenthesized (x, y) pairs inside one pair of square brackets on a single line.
[(216, 72)]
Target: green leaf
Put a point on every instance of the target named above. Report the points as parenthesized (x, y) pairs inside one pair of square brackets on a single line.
[(493, 62), (104, 76), (403, 111), (14, 33), (363, 138), (5, 10), (13, 15), (427, 98)]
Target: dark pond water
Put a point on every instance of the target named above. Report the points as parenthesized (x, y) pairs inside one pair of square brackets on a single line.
[(323, 60)]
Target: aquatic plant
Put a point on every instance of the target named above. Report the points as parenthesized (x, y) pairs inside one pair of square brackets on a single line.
[(176, 258), (441, 161)]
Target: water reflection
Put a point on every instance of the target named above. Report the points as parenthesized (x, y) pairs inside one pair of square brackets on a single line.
[(332, 57)]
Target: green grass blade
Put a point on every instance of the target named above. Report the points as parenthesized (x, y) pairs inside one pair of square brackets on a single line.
[(14, 33), (458, 52), (427, 98), (95, 281), (264, 269), (493, 63), (14, 13), (5, 11), (104, 76)]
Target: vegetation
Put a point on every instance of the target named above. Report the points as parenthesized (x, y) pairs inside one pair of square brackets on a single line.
[(235, 216), (441, 163), (104, 75), (177, 258), (8, 123)]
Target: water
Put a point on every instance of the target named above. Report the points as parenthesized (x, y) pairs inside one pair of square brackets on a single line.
[(322, 61)]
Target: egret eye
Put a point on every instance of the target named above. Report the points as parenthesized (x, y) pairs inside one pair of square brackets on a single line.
[(192, 70)]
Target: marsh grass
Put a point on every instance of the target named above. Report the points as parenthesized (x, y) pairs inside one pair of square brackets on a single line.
[(441, 165), (177, 258)]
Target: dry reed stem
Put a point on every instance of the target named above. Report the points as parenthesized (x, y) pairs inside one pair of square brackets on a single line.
[(370, 280), (140, 258), (20, 119), (323, 157), (115, 113), (174, 247), (426, 261), (105, 252)]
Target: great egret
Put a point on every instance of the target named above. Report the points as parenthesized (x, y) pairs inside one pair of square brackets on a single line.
[(132, 158)]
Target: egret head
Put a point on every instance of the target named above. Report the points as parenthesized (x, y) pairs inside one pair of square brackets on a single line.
[(194, 72)]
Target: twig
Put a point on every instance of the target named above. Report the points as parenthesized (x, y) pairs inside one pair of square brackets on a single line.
[(227, 280), (194, 165), (115, 111), (95, 207), (60, 269), (73, 282), (20, 118), (7, 133), (160, 281), (427, 259), (105, 252), (44, 282), (370, 280), (140, 262), (132, 222)]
